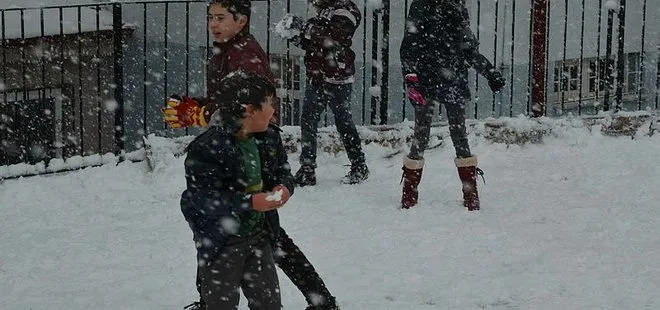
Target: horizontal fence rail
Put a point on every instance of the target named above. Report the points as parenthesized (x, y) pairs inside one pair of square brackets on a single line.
[(90, 79)]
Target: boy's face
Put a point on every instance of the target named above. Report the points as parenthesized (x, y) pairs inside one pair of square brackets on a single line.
[(257, 120), (222, 25)]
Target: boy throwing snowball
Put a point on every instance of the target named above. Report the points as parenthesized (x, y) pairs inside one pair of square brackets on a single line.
[(237, 176)]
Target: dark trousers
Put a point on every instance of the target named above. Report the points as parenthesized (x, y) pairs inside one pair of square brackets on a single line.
[(338, 98), (247, 265), (454, 100), (299, 270)]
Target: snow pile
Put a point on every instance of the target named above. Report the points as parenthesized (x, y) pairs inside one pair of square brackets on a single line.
[(520, 130)]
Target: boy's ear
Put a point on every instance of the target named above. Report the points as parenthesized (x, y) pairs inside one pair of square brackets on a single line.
[(249, 109), (243, 20)]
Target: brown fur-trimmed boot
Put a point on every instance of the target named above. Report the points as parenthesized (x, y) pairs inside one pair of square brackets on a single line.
[(412, 175), (467, 172)]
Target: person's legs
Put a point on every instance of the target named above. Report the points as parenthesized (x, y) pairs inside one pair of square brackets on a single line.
[(466, 163), (220, 278), (260, 284), (338, 97), (454, 104), (422, 130), (301, 272), (339, 100), (413, 164), (312, 108)]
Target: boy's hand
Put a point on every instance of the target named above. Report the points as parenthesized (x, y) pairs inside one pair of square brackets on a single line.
[(290, 26), (270, 201), (184, 112)]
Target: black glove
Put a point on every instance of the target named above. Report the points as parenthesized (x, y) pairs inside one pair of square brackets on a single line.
[(496, 81)]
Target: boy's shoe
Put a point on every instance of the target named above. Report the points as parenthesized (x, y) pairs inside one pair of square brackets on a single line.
[(305, 176), (358, 174), (198, 305)]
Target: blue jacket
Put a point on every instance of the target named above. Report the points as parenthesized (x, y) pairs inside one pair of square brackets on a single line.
[(215, 196)]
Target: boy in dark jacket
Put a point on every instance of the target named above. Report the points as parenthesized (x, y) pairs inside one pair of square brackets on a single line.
[(237, 175), (437, 49), (236, 49), (330, 67)]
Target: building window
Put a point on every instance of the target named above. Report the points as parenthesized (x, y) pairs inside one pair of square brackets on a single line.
[(279, 66), (597, 74), (634, 73), (566, 77)]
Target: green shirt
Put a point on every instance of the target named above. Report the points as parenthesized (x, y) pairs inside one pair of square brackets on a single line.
[(253, 220)]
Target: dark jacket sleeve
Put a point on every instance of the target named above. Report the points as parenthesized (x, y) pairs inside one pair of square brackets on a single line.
[(471, 47), (412, 45)]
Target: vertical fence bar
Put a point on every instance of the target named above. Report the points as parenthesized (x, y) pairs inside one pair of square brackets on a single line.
[(621, 65), (581, 61), (65, 116), (608, 60), (187, 59), (374, 66), (5, 105), (42, 53), (476, 76), (118, 61), (385, 78), (21, 124), (165, 49), (288, 74), (98, 77), (4, 58), (657, 76), (563, 63), (546, 57), (145, 128), (598, 61), (497, 13), (80, 101), (513, 45), (404, 93), (268, 25), (530, 79), (642, 59), (364, 65)]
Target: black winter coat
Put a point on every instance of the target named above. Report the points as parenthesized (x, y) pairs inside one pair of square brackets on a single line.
[(215, 196), (439, 46)]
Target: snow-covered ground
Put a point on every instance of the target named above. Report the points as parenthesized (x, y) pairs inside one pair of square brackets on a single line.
[(573, 223)]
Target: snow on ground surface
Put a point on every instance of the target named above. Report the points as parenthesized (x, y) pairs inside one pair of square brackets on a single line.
[(573, 223)]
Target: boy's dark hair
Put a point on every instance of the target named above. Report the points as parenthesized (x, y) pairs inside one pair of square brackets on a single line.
[(237, 8), (240, 88)]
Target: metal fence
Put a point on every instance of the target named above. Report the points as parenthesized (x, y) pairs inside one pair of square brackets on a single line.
[(91, 78)]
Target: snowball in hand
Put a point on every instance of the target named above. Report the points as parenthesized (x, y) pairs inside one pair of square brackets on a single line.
[(275, 196), (283, 27)]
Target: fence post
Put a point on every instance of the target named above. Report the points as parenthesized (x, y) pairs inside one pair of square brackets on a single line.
[(608, 60), (374, 68), (385, 79), (118, 61), (621, 65), (539, 39)]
